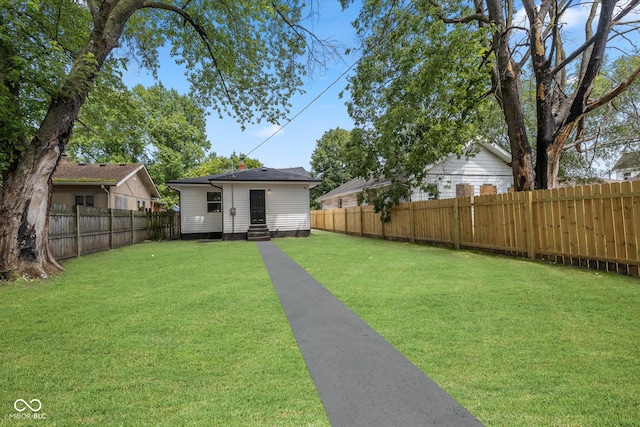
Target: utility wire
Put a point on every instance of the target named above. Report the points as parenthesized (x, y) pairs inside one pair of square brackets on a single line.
[(364, 55)]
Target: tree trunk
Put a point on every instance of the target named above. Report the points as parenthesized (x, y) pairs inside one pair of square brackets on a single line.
[(24, 219), (554, 151), (507, 83), (27, 187)]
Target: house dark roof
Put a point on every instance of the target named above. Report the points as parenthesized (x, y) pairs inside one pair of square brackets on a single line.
[(628, 161), (69, 173), (252, 175), (356, 185)]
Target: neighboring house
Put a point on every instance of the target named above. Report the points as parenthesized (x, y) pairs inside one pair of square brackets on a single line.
[(113, 186), (487, 165), (627, 167), (253, 204)]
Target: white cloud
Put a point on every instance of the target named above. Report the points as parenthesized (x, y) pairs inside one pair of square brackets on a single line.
[(574, 16), (267, 131)]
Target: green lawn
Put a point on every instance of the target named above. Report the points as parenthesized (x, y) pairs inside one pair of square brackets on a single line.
[(184, 333), (518, 343), (175, 333)]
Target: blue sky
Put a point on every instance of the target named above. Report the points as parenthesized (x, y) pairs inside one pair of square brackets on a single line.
[(293, 145)]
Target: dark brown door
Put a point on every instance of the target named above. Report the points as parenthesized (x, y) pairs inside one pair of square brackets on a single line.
[(256, 199)]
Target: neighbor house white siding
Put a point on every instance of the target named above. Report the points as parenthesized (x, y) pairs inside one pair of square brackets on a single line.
[(483, 168), (194, 217)]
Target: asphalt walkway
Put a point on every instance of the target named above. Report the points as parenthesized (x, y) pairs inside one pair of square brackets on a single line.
[(362, 380)]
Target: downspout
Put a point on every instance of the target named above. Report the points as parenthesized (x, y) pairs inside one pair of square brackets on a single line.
[(108, 196)]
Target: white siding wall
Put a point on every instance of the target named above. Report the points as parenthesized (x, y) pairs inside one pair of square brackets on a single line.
[(193, 211), (484, 168), (287, 206), (236, 195)]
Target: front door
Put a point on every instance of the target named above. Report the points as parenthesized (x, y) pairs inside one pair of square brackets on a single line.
[(256, 200)]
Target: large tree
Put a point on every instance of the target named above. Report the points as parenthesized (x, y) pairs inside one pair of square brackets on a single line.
[(564, 73), (156, 126), (242, 57), (328, 162)]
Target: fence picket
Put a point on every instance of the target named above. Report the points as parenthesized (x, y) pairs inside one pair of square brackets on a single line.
[(592, 225), (75, 231)]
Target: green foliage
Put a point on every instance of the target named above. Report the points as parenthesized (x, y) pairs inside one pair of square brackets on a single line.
[(412, 94), (37, 44), (215, 164), (155, 126), (328, 163), (248, 67), (244, 59), (610, 130)]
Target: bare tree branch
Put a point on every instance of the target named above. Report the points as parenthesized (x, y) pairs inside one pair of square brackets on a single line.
[(624, 12), (479, 17), (613, 92)]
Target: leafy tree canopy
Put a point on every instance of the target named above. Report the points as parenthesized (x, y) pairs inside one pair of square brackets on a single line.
[(215, 164), (244, 59), (427, 67), (156, 126), (328, 162)]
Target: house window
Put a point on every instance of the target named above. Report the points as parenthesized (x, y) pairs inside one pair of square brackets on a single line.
[(340, 202), (214, 201), (627, 176), (142, 204), (84, 200)]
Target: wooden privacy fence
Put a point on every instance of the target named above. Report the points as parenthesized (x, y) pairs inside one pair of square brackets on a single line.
[(596, 226), (80, 230)]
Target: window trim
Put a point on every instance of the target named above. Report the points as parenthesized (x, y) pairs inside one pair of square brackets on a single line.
[(215, 204), (84, 199)]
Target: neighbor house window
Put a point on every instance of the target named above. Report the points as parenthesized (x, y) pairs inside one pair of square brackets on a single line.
[(84, 200), (214, 201), (627, 176), (142, 204)]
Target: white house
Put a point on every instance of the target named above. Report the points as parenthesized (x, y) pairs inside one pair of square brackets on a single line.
[(485, 164), (627, 167), (253, 204)]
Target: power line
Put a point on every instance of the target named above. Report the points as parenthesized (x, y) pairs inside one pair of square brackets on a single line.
[(367, 52)]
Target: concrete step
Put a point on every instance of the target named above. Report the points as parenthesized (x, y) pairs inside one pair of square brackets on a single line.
[(258, 233)]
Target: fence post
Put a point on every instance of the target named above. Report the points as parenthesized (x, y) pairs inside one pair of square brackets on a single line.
[(361, 223), (78, 208), (529, 214), (456, 224), (110, 228), (412, 228), (333, 220), (346, 222), (133, 232)]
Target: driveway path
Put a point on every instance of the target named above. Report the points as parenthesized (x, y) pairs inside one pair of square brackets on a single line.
[(362, 380)]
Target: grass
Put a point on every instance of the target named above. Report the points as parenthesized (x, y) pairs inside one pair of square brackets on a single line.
[(518, 343), (176, 333)]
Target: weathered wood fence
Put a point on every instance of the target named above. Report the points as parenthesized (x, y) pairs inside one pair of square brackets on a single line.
[(596, 226), (80, 230)]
